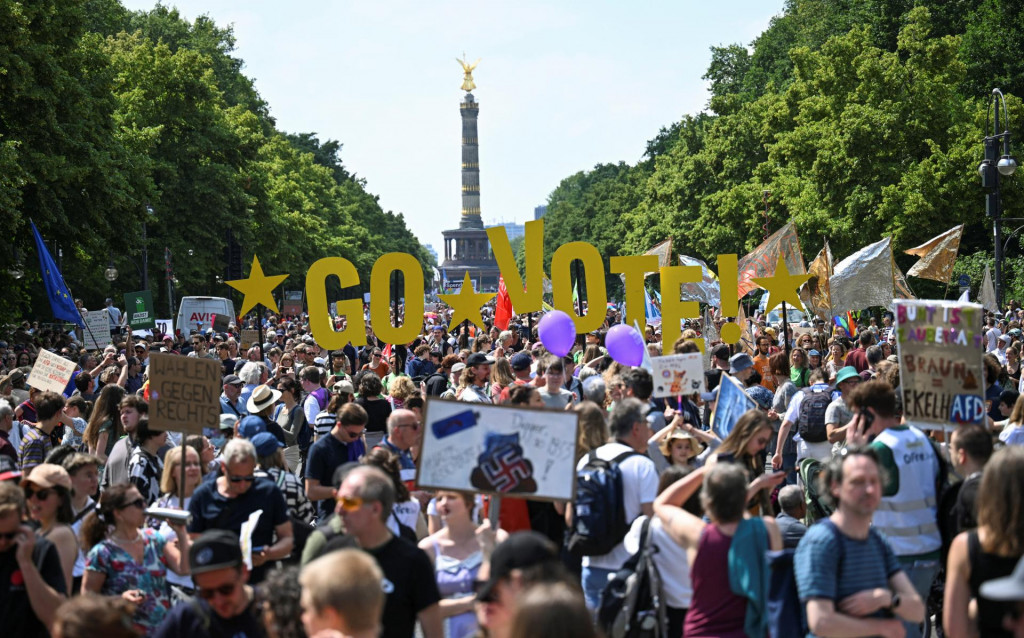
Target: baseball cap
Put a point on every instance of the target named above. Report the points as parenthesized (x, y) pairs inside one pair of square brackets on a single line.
[(265, 443), (519, 551), (813, 353), (344, 386), (228, 421), (215, 549), (48, 475), (520, 361), (232, 379), (739, 362), (250, 426), (478, 359), (459, 367)]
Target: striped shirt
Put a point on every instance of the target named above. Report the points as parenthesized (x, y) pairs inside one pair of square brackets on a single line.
[(35, 445)]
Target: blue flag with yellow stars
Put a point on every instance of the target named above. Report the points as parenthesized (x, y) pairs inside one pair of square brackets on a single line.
[(56, 290)]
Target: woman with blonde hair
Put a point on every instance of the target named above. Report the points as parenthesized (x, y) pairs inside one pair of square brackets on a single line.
[(171, 498), (987, 552), (501, 377), (836, 359), (399, 391)]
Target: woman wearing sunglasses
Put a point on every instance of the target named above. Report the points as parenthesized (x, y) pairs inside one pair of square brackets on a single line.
[(124, 560), (48, 495)]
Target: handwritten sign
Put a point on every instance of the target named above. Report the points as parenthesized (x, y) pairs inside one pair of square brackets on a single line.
[(942, 377), (249, 337), (51, 373), (526, 452), (96, 332), (184, 393), (678, 374)]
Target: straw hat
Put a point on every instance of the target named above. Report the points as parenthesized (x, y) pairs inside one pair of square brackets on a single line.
[(679, 434), (262, 397)]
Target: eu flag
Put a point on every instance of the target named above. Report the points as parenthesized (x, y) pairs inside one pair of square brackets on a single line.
[(56, 290)]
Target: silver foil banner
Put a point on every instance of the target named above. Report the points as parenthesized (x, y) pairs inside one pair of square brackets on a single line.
[(863, 279)]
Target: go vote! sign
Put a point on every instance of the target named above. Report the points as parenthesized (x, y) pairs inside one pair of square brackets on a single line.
[(942, 377), (184, 393)]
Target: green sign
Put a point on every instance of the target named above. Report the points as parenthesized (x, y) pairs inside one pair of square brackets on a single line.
[(138, 308)]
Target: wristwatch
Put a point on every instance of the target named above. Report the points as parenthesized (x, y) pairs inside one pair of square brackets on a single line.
[(894, 601)]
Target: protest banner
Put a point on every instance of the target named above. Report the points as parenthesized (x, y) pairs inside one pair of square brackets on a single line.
[(799, 331), (184, 393), (51, 373), (678, 374), (138, 310), (731, 402), (250, 337), (942, 376), (525, 452), (96, 332)]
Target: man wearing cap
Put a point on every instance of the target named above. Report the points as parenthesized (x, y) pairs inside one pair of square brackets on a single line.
[(438, 342), (343, 445), (838, 414), (227, 502), (229, 398), (519, 562), (224, 603), (741, 366), (32, 582), (478, 369)]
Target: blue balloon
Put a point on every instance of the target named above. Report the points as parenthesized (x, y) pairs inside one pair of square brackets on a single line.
[(557, 332), (625, 344)]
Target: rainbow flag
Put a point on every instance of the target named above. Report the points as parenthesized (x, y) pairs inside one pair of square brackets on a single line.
[(846, 322)]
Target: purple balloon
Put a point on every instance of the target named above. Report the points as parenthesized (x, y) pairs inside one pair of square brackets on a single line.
[(625, 344), (557, 332)]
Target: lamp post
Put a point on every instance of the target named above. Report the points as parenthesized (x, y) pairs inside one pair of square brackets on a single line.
[(992, 167)]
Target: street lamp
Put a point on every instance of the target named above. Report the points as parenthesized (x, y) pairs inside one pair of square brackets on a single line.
[(110, 273), (992, 166)]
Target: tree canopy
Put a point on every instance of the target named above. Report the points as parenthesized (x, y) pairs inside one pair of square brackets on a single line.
[(111, 119)]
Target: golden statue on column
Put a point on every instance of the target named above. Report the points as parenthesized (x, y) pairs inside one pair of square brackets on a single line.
[(467, 68)]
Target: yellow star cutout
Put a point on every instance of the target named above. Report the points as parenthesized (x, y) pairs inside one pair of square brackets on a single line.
[(466, 304), (782, 287), (258, 288)]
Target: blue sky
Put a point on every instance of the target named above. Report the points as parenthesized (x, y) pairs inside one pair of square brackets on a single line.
[(562, 86)]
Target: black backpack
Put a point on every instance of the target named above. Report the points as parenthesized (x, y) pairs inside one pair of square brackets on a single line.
[(811, 422), (436, 384), (632, 604), (599, 511)]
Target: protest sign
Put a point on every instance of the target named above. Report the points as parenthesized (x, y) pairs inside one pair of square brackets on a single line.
[(138, 310), (96, 332), (731, 403), (51, 372), (677, 374), (526, 452), (250, 337), (184, 393), (942, 377), (799, 331)]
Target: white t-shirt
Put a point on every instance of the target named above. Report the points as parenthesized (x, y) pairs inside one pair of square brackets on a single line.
[(670, 558), (556, 401), (639, 486), (1012, 435), (992, 335)]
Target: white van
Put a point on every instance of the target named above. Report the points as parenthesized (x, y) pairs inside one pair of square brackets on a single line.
[(197, 313)]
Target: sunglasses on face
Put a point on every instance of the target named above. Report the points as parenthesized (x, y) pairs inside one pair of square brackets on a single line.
[(41, 495), (139, 503), (224, 590), (351, 503), (241, 479)]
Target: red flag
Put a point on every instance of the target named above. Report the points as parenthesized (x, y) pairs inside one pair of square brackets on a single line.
[(386, 353), (503, 307)]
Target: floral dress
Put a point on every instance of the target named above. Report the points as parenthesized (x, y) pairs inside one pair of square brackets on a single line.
[(123, 573)]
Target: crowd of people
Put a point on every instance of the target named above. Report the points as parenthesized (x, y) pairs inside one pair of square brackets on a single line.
[(297, 513)]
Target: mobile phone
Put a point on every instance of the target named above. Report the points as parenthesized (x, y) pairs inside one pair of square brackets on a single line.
[(866, 419)]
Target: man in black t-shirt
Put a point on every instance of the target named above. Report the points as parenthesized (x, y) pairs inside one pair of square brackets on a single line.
[(224, 600), (343, 444), (365, 500), (31, 578)]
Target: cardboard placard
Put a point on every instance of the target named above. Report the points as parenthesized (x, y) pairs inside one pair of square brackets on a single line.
[(51, 372), (942, 375), (677, 374), (524, 452), (184, 393), (96, 333), (138, 310), (250, 337)]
